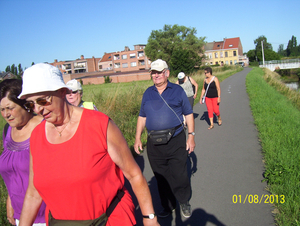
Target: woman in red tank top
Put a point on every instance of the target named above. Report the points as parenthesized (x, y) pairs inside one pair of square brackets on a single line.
[(78, 160)]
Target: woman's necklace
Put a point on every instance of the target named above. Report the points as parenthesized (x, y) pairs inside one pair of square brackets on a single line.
[(60, 132)]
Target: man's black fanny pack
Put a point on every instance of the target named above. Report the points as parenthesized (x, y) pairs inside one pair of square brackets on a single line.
[(161, 136)]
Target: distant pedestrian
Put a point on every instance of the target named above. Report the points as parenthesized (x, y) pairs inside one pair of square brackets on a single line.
[(189, 86), (162, 109), (75, 97), (211, 95)]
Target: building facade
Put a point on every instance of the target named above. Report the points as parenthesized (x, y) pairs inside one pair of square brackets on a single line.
[(229, 51), (130, 60), (81, 65)]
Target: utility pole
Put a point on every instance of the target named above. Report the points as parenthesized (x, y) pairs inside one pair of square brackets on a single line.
[(263, 55)]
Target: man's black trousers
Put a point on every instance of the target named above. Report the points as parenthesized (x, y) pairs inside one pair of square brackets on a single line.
[(169, 165)]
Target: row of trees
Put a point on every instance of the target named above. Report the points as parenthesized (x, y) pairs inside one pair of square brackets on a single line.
[(18, 71), (292, 50)]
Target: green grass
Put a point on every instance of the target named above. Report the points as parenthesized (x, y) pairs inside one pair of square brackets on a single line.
[(121, 102), (276, 114)]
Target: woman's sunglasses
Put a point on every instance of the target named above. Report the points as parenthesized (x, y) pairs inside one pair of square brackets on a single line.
[(40, 101)]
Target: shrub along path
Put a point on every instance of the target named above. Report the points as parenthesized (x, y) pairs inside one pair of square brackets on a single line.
[(227, 166)]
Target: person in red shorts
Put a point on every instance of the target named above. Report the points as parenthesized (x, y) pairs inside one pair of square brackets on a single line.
[(211, 87), (79, 158)]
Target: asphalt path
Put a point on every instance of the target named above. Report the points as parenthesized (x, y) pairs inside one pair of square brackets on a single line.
[(226, 167)]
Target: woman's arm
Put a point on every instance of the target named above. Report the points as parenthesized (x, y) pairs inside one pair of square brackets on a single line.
[(122, 157), (218, 89), (196, 86), (202, 92), (32, 201), (141, 123), (10, 211)]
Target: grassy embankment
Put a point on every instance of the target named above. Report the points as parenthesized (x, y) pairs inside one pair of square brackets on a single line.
[(122, 103), (275, 109)]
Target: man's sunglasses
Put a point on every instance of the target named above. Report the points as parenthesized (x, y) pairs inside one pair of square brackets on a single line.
[(40, 101)]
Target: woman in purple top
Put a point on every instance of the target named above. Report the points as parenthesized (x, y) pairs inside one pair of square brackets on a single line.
[(14, 160)]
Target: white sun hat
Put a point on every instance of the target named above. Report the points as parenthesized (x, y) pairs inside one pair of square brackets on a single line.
[(181, 75), (158, 65), (74, 85), (41, 77)]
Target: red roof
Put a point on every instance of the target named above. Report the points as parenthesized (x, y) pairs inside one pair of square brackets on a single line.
[(106, 57), (231, 43), (218, 45)]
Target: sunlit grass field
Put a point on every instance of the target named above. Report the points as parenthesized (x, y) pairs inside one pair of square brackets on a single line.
[(275, 109), (121, 102)]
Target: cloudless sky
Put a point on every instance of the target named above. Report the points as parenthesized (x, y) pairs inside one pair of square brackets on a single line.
[(44, 30)]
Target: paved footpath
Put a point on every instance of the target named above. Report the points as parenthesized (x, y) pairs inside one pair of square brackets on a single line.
[(227, 166)]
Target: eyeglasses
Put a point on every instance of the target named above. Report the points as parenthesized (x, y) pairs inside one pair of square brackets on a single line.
[(73, 92), (40, 101), (206, 72), (157, 72)]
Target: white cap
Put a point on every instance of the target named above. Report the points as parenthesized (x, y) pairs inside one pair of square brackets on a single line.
[(158, 65), (74, 85), (181, 75), (41, 77)]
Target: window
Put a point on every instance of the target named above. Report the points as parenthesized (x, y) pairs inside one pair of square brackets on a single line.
[(226, 54), (140, 53), (100, 67), (230, 45), (235, 62), (216, 55), (210, 55), (221, 54), (133, 64), (231, 62), (124, 65), (132, 55), (117, 65), (117, 57), (124, 57), (226, 62), (234, 53)]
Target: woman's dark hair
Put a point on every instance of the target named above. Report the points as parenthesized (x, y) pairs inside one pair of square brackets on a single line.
[(208, 69), (12, 88)]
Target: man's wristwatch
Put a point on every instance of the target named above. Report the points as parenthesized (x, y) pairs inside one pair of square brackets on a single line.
[(193, 133), (150, 216)]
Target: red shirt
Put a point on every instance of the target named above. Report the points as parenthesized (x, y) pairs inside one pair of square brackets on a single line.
[(77, 179)]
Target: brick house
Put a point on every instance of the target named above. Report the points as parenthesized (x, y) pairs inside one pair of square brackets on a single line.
[(130, 60)]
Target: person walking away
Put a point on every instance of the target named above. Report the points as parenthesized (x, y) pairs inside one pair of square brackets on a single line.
[(79, 158), (75, 96), (211, 87), (162, 109), (189, 86), (14, 160)]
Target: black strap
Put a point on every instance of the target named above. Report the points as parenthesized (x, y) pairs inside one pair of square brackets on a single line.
[(114, 202), (100, 221), (5, 129)]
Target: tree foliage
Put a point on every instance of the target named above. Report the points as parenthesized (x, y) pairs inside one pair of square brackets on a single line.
[(18, 71), (292, 49), (281, 51), (178, 41), (258, 45), (183, 60)]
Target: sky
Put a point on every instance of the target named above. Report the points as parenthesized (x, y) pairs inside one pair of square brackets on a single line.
[(45, 30)]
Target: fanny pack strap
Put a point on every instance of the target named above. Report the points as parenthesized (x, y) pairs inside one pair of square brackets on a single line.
[(100, 221)]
